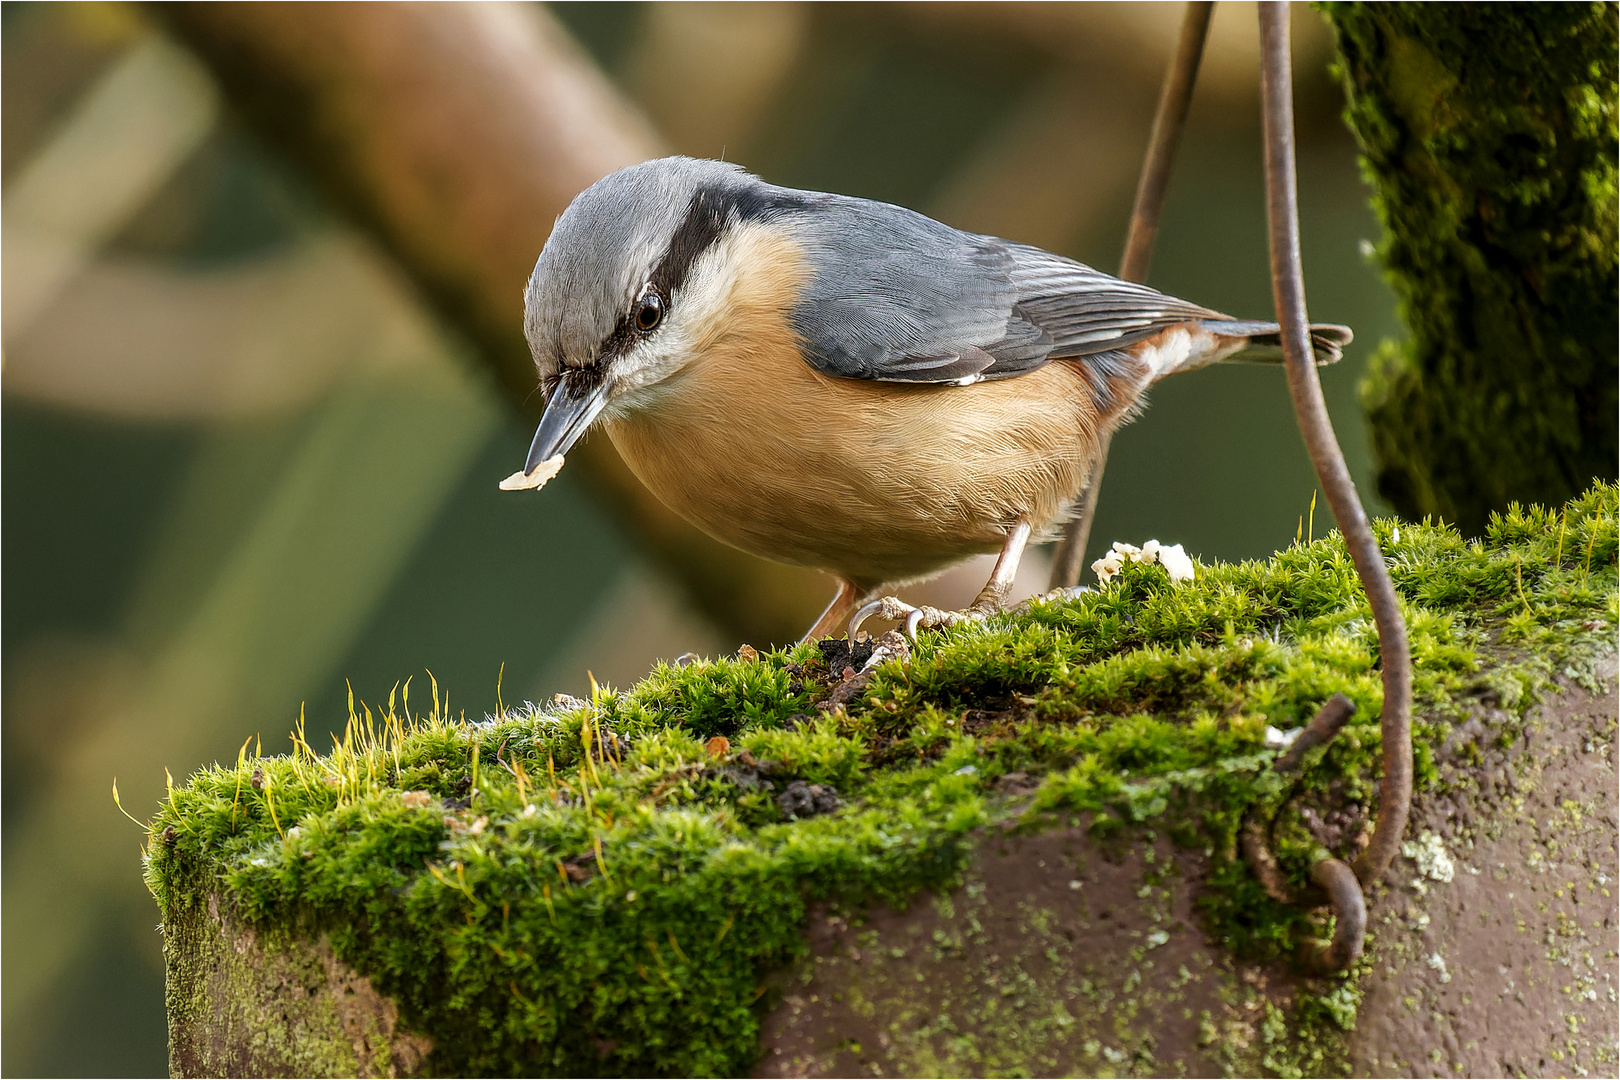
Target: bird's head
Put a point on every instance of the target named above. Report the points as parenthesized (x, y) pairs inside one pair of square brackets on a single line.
[(629, 280)]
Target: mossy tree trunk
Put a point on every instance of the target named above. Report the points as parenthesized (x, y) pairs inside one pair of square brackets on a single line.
[(1488, 132)]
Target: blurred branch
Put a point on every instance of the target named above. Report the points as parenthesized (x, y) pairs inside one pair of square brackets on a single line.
[(139, 120), (456, 133), (709, 73), (1137, 41)]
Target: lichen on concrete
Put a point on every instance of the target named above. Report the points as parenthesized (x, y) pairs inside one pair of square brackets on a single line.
[(1053, 959), (616, 885)]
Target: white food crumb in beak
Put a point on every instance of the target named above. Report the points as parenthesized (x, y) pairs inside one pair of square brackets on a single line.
[(522, 481)]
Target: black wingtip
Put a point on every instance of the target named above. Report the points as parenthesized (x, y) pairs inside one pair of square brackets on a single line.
[(1265, 341), (1328, 341)]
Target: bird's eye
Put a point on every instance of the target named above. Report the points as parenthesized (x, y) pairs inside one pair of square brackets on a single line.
[(649, 312)]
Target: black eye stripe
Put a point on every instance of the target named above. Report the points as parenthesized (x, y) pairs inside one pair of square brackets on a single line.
[(706, 217), (624, 335), (698, 232)]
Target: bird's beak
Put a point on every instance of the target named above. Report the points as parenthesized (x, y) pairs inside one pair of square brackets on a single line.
[(573, 406)]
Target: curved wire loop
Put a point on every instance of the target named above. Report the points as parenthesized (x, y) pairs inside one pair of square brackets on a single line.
[(1323, 728), (1332, 882), (1342, 884), (1255, 834), (1169, 118), (1339, 882)]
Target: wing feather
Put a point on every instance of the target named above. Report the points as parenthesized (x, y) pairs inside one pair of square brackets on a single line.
[(898, 297)]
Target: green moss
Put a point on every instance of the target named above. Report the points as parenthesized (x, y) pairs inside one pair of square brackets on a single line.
[(1487, 133), (589, 890)]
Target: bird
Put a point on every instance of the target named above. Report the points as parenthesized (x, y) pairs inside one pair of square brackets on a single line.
[(845, 384)]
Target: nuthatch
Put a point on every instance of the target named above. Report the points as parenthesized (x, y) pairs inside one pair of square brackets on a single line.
[(844, 384)]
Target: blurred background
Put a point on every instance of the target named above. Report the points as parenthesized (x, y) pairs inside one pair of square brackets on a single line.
[(248, 465)]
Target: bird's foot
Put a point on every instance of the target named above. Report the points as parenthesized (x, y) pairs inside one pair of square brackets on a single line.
[(893, 609)]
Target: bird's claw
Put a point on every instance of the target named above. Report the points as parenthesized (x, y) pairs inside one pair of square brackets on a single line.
[(892, 609)]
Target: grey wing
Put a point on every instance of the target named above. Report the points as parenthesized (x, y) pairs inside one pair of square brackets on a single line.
[(1086, 311), (898, 297)]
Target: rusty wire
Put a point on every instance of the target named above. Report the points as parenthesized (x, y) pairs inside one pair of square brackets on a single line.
[(1168, 120), (1333, 882), (1327, 723), (1343, 885), (1344, 893), (1175, 97), (1288, 288)]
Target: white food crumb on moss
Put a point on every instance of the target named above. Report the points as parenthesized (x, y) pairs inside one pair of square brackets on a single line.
[(1177, 562), (1277, 739), (1172, 557)]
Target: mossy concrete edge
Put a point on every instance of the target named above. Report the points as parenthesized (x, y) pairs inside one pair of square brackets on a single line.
[(1064, 953), (601, 887), (247, 1003)]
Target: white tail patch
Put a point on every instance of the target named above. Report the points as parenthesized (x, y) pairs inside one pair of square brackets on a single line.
[(1186, 348), (1169, 351)]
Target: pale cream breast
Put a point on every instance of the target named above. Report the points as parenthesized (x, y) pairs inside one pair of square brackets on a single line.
[(875, 482)]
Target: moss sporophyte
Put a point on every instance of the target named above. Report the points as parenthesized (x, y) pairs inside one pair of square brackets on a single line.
[(606, 885)]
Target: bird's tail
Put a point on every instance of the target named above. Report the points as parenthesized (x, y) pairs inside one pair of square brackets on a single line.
[(1261, 342)]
